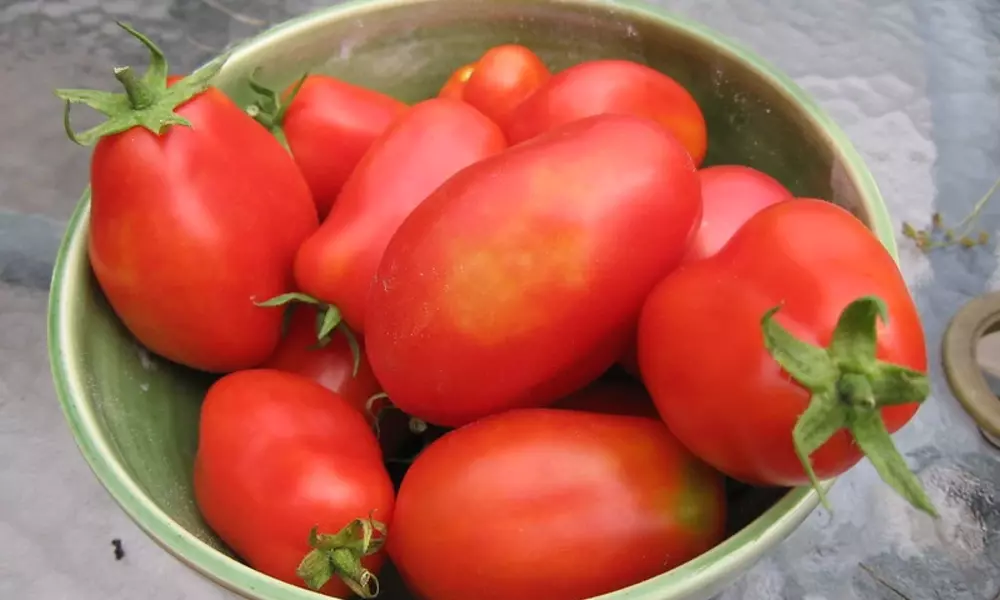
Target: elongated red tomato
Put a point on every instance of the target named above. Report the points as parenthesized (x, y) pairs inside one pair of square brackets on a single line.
[(482, 295), (731, 381), (278, 455), (503, 78), (454, 87), (329, 124), (196, 213), (611, 87), (429, 144), (541, 504), (730, 194)]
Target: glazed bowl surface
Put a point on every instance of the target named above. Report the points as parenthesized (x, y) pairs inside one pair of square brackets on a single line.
[(135, 416)]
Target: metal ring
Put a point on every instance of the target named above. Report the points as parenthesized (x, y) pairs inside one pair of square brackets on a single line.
[(976, 319)]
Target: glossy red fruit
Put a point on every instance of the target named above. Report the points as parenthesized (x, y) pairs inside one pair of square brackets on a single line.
[(798, 339), (433, 141), (328, 125), (503, 78), (481, 295), (542, 504), (279, 455), (196, 214), (621, 87), (730, 194)]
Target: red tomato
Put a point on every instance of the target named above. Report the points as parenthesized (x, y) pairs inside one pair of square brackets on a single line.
[(191, 225), (329, 125), (611, 87), (454, 88), (702, 352), (503, 78), (613, 397), (540, 504), (481, 297), (429, 144), (331, 365), (731, 194), (278, 454)]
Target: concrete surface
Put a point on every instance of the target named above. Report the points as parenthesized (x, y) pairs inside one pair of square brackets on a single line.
[(915, 84)]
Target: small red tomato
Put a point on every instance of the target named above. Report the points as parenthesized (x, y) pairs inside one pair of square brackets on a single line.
[(279, 455), (771, 350), (479, 299), (433, 141), (196, 213), (454, 88), (613, 397), (730, 194), (611, 87), (328, 124), (503, 78), (330, 365), (541, 504)]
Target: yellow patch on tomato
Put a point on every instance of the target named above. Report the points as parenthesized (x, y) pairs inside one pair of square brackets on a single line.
[(509, 286)]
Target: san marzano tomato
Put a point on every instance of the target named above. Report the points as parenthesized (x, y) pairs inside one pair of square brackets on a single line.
[(196, 213), (279, 455), (545, 504), (479, 299), (755, 400), (433, 141)]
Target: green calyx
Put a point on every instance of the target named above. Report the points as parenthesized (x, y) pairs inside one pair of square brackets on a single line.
[(147, 101), (340, 555), (328, 318), (849, 386), (268, 108)]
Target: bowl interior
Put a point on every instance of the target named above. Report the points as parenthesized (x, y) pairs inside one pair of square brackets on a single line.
[(135, 415)]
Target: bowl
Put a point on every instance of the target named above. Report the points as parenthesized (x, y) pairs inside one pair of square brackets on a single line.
[(134, 415)]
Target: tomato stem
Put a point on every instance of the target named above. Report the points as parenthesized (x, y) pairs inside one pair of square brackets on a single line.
[(849, 387), (147, 102), (340, 555), (269, 108), (328, 319)]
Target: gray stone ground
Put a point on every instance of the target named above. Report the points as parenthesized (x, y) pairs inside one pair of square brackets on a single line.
[(914, 83)]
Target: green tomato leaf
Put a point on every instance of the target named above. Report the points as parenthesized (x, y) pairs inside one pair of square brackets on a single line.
[(853, 344), (874, 440), (284, 299), (824, 417), (808, 364), (895, 384)]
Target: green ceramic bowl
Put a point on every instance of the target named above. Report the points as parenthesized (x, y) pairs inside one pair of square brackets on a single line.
[(135, 416)]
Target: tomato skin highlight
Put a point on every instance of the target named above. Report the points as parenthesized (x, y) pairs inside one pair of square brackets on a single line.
[(481, 296), (182, 248), (279, 454), (730, 403), (503, 78), (611, 87), (329, 125), (730, 195), (544, 504), (454, 87), (429, 144)]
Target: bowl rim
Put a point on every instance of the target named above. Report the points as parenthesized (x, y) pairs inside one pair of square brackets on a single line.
[(724, 562)]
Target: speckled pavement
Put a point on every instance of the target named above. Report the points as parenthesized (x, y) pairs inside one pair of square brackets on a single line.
[(915, 84)]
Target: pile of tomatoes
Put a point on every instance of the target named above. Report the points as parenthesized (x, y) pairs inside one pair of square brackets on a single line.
[(586, 330)]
